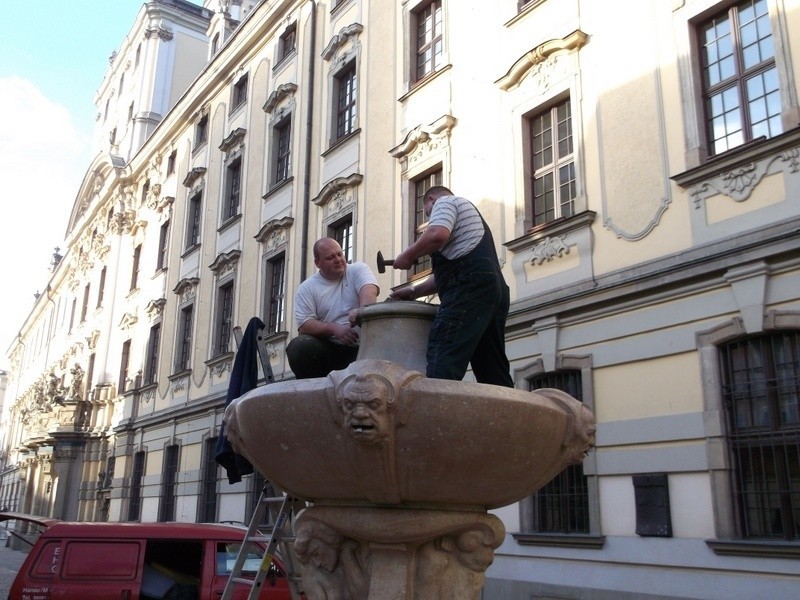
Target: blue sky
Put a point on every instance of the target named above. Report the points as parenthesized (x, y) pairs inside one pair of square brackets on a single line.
[(53, 56)]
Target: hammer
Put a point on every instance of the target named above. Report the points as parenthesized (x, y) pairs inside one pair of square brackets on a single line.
[(383, 262)]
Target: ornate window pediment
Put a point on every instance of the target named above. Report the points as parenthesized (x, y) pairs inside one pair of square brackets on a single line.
[(234, 140), (155, 308), (186, 288), (284, 91), (424, 139), (225, 261), (340, 39), (128, 321), (275, 233), (574, 41), (193, 176)]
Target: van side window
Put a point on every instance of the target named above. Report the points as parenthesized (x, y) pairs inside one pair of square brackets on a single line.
[(47, 562), (93, 560)]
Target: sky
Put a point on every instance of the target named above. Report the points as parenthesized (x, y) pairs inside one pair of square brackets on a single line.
[(53, 56)]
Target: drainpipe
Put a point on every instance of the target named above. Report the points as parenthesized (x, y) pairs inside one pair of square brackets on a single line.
[(309, 122)]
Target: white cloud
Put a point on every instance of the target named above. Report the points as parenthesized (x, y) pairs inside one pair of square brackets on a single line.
[(43, 158)]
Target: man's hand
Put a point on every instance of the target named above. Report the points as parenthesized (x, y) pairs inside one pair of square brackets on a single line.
[(345, 334), (406, 293)]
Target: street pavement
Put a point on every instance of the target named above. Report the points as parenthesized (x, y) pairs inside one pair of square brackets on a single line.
[(10, 562)]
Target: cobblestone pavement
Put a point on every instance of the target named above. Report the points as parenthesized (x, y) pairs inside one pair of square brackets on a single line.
[(10, 562)]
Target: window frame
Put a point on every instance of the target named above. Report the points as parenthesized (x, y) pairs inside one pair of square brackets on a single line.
[(209, 484), (183, 347), (223, 317), (345, 102), (194, 218), (124, 367), (419, 223), (137, 256), (554, 167), (287, 42), (275, 302), (162, 255), (418, 48), (343, 231), (232, 200), (201, 131), (282, 150), (737, 82), (239, 92), (153, 353)]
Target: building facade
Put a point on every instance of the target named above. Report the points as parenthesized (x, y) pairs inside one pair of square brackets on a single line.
[(638, 163)]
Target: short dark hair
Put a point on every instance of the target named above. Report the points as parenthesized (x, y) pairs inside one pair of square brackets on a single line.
[(437, 191)]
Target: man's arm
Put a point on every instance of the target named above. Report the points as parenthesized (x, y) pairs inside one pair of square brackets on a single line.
[(431, 240)]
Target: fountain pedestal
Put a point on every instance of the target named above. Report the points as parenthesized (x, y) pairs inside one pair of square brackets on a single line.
[(401, 469)]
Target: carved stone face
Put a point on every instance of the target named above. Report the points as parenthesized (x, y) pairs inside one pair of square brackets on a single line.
[(366, 405)]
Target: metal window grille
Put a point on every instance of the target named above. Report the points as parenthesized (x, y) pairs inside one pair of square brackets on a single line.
[(562, 506), (276, 292), (208, 501), (740, 80), (135, 505), (166, 508), (761, 398)]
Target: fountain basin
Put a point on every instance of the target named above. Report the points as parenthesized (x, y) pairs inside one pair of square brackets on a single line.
[(378, 433)]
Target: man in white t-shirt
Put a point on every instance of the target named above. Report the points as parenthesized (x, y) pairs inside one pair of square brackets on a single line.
[(325, 309)]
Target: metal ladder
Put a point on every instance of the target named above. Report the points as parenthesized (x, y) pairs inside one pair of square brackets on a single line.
[(282, 508)]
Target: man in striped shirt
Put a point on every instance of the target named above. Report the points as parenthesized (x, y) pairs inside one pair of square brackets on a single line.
[(469, 328)]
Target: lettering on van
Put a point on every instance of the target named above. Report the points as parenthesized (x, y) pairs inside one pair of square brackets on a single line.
[(36, 593)]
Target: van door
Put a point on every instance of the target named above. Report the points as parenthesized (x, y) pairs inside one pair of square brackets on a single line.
[(99, 570), (275, 586)]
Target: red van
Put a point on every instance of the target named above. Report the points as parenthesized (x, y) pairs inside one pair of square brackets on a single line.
[(136, 561)]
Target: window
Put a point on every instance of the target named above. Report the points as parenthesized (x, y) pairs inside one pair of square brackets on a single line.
[(422, 185), (193, 223), (275, 292), (72, 314), (282, 143), (138, 55), (215, 44), (287, 42), (171, 160), (258, 486), (130, 112), (166, 507), (562, 506), (87, 393), (342, 232), (124, 365), (183, 353), (102, 288), (85, 306), (201, 131), (239, 92), (137, 254), (429, 46), (761, 398), (224, 318), (552, 186), (233, 187), (145, 191), (740, 80), (112, 137), (121, 83), (208, 491), (163, 246), (151, 364), (137, 475), (345, 91)]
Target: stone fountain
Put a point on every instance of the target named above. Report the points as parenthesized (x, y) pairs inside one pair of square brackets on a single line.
[(402, 469)]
